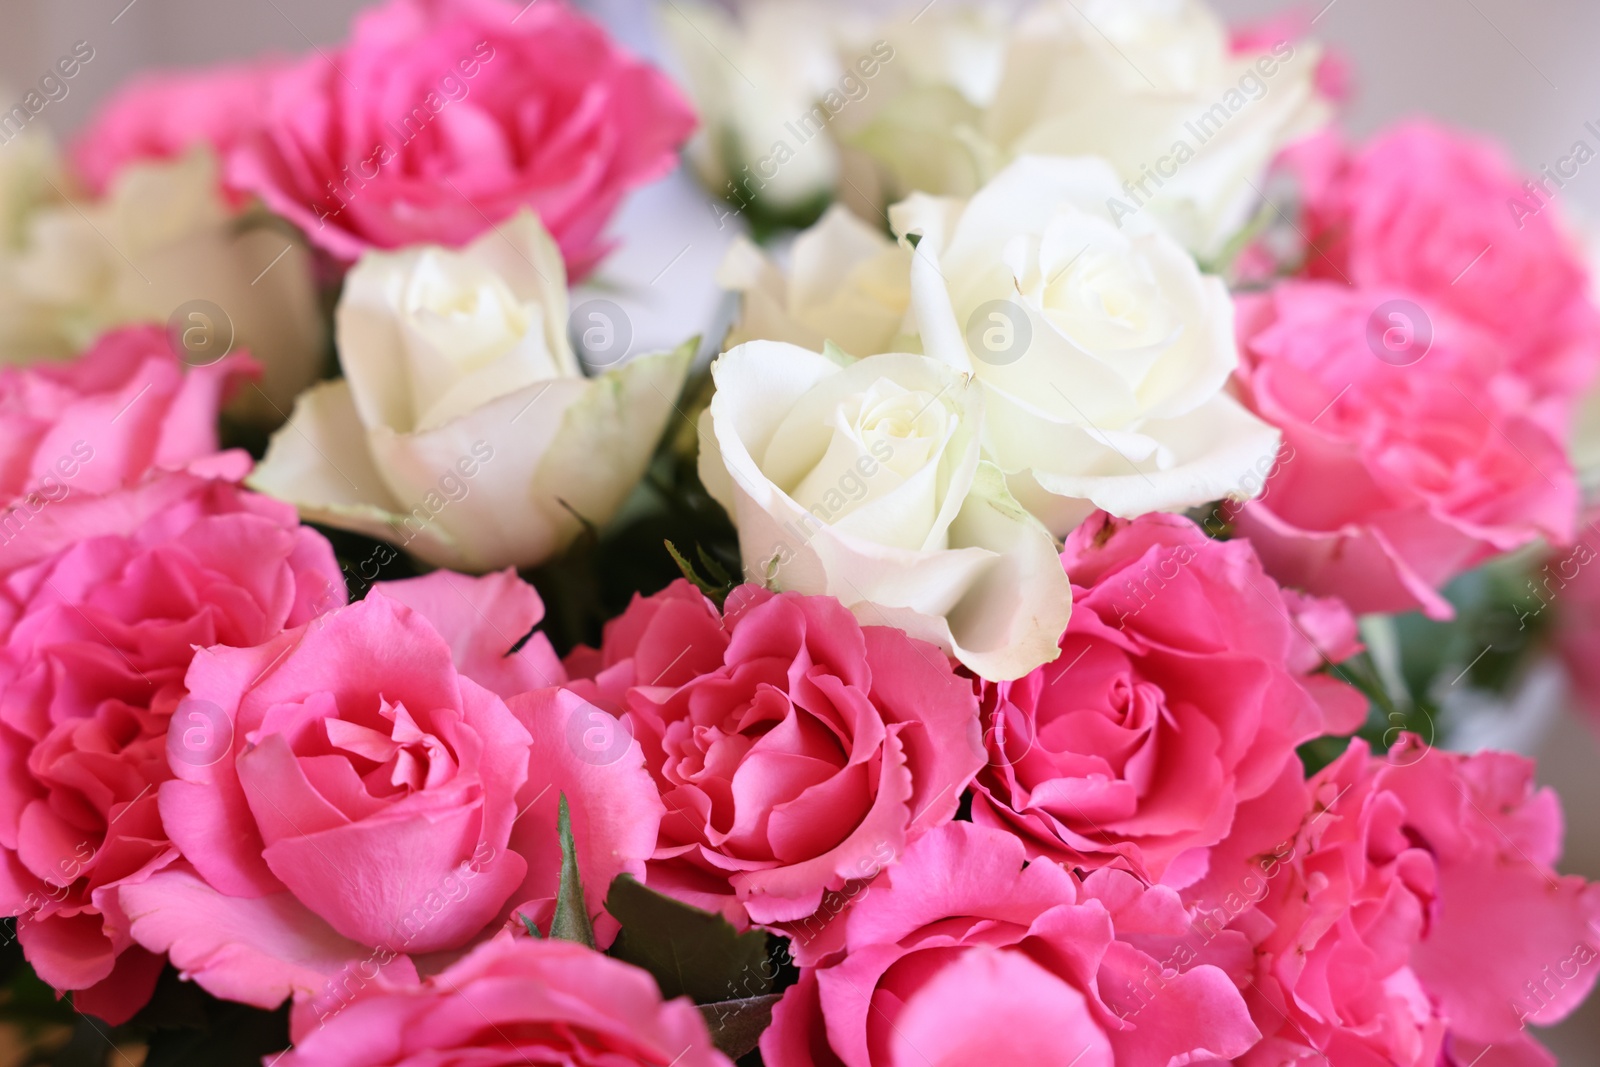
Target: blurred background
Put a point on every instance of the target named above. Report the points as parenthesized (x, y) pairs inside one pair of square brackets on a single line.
[(1522, 71)]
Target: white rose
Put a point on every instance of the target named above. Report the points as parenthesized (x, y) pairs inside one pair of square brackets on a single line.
[(464, 429), (846, 282), (753, 83), (1152, 86), (161, 240), (863, 482), (1103, 351)]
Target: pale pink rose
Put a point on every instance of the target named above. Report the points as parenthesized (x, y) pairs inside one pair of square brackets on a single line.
[(1411, 906), (1403, 464), (797, 751), (377, 807), (107, 418), (511, 1002), (961, 954), (441, 118), (1183, 686), (103, 603), (162, 115), (1445, 215)]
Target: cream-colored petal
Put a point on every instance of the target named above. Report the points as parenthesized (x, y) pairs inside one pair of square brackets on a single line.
[(320, 462)]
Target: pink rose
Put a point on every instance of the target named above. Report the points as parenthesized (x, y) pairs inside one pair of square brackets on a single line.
[(1445, 215), (511, 1002), (1411, 906), (103, 602), (161, 116), (962, 955), (1403, 465), (441, 118), (796, 750), (1183, 686), (377, 805), (104, 420)]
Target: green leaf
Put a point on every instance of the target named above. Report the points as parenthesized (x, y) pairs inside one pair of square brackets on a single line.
[(531, 927), (571, 922), (736, 1025), (713, 591), (717, 571), (690, 952)]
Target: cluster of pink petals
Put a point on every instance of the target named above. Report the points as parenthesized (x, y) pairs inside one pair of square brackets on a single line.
[(388, 799), (1184, 684), (797, 752), (511, 1002), (1394, 478), (105, 420), (1424, 364), (104, 601), (1445, 215), (960, 954), (1403, 909), (437, 120)]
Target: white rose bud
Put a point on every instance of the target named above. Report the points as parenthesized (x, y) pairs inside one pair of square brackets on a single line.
[(846, 282), (1103, 351), (464, 429), (864, 482)]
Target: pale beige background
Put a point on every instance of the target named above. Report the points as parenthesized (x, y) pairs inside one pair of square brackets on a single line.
[(1523, 70)]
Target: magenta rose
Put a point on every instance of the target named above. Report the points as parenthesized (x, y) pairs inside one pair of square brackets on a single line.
[(1398, 472), (1410, 905), (376, 803), (961, 954), (103, 602), (796, 750), (441, 118), (1184, 683), (511, 1002), (161, 116), (1445, 215), (104, 420)]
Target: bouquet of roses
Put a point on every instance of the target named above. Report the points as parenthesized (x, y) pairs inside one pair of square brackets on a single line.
[(1042, 627)]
